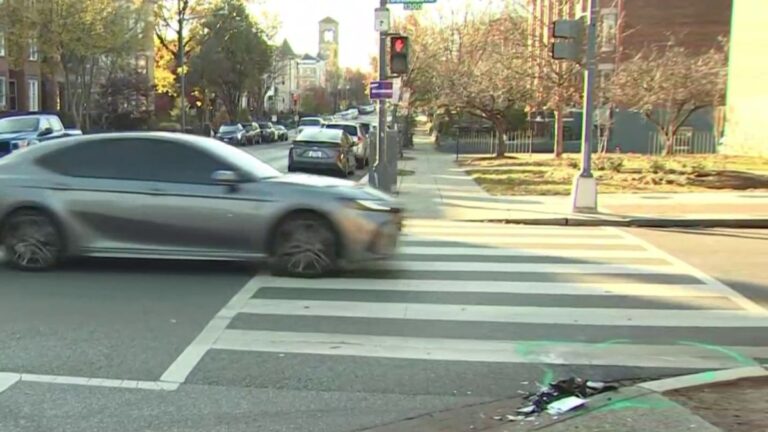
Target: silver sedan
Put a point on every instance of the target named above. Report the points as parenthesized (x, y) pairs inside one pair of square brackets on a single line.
[(177, 196)]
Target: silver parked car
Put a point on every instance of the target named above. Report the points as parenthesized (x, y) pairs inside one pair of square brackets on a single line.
[(323, 150), (166, 195)]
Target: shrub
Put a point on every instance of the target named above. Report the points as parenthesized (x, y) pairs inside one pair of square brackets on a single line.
[(656, 166)]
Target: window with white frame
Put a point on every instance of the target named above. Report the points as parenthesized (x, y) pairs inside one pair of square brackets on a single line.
[(2, 42), (608, 22), (34, 55), (3, 86), (33, 94)]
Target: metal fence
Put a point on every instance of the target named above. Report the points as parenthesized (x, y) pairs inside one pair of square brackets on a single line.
[(686, 142), (486, 142)]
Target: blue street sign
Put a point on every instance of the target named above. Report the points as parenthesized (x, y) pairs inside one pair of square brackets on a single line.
[(381, 90)]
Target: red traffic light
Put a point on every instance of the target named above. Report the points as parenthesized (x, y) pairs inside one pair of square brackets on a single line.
[(398, 44)]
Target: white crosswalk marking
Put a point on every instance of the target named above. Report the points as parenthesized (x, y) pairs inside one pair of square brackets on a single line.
[(593, 296)]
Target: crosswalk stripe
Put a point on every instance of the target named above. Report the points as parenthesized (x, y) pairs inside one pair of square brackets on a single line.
[(572, 288), (565, 253), (661, 356), (515, 240), (512, 314), (524, 267), (506, 230)]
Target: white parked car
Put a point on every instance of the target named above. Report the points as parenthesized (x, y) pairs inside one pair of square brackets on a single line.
[(308, 123)]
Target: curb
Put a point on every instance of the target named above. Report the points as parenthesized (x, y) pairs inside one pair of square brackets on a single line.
[(639, 222), (703, 378)]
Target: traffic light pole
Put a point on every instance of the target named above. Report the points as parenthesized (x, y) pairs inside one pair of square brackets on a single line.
[(584, 193), (376, 168)]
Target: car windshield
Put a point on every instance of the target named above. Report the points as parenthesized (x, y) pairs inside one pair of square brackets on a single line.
[(351, 130), (247, 126), (228, 129), (11, 125), (265, 126), (310, 122)]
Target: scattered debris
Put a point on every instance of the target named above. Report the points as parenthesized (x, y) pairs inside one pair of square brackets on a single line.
[(558, 398), (566, 404)]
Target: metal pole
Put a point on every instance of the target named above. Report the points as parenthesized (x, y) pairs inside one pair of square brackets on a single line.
[(182, 78), (584, 194), (590, 70), (375, 177)]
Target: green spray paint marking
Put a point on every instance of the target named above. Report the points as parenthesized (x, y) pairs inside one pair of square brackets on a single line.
[(740, 358)]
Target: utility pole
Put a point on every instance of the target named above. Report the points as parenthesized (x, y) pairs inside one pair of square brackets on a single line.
[(382, 123), (182, 74), (584, 193)]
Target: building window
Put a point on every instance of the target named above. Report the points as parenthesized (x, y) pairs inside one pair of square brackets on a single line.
[(33, 92), (608, 31), (3, 100), (2, 43), (34, 55)]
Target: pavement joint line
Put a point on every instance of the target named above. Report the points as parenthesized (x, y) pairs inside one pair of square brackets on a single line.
[(703, 378), (734, 295), (178, 371)]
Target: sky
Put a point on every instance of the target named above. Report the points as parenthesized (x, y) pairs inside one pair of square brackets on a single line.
[(357, 38)]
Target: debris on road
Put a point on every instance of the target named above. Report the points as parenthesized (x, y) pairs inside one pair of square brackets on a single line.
[(558, 398)]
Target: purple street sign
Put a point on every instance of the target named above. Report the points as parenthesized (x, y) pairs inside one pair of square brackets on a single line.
[(381, 90)]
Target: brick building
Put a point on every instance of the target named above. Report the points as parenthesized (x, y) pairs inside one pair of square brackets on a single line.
[(625, 27)]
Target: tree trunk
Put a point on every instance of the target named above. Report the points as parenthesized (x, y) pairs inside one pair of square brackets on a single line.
[(558, 132), (669, 144), (501, 142)]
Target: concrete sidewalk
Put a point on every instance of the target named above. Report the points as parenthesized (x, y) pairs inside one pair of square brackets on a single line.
[(438, 188)]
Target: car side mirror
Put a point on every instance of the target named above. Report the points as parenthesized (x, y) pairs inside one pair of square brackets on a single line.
[(45, 132), (226, 177)]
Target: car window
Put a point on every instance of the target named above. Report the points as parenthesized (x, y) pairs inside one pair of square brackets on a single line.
[(365, 128), (56, 124), (21, 124), (264, 125), (44, 123), (349, 129), (310, 122), (230, 128), (134, 159)]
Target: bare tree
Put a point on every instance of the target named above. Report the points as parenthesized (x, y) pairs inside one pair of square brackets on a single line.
[(478, 65), (669, 84)]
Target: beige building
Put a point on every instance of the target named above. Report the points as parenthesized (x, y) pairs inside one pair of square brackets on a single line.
[(747, 94)]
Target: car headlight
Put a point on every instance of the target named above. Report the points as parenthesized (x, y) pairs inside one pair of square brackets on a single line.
[(370, 205)]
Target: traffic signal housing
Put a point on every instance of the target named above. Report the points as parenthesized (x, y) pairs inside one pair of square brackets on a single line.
[(569, 39), (398, 55)]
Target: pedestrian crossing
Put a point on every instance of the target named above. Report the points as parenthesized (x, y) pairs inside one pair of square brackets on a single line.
[(502, 294)]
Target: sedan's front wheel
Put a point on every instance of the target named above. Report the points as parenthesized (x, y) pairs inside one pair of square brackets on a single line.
[(31, 241), (305, 245)]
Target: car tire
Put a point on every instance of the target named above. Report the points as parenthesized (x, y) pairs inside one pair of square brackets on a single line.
[(360, 163), (32, 241), (305, 245)]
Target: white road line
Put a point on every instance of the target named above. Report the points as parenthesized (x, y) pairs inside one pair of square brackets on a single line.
[(442, 266), (670, 356), (178, 371), (7, 380), (504, 230), (509, 240), (734, 295), (512, 314), (567, 253), (417, 285)]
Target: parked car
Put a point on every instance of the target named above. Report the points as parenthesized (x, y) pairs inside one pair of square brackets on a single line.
[(322, 150), (178, 196), (282, 133), (268, 132), (359, 137), (252, 133), (309, 123), (233, 134), (20, 131), (366, 109)]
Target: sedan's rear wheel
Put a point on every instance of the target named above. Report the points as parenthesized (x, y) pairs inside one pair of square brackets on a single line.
[(32, 241), (305, 246)]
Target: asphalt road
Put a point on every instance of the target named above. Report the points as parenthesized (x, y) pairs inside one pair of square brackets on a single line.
[(336, 355)]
